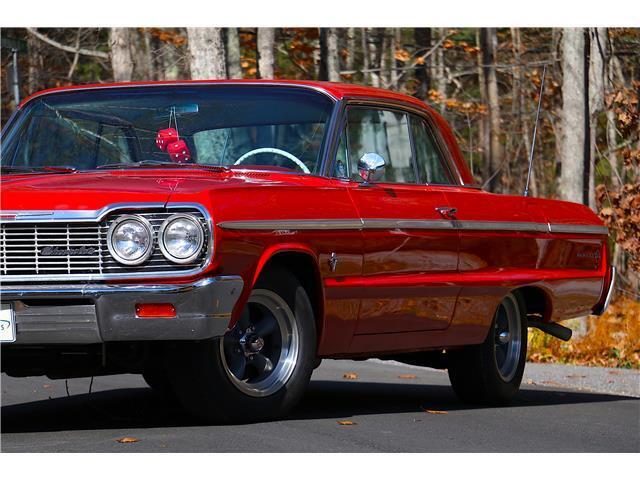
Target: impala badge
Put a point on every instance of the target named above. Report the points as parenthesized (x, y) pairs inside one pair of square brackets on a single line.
[(67, 252)]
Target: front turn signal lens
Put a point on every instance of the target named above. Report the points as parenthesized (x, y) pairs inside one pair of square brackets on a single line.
[(155, 310)]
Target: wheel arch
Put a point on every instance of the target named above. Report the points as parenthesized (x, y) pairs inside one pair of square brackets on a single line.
[(536, 301), (302, 263)]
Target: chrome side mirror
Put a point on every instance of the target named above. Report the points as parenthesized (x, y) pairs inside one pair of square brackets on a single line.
[(371, 167)]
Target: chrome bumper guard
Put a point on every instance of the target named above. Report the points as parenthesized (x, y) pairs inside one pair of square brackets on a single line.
[(84, 314), (603, 308)]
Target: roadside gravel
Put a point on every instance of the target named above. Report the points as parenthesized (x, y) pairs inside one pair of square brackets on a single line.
[(620, 381)]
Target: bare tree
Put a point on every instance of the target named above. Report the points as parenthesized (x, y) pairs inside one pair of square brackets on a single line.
[(351, 48), (206, 51), (572, 121), (422, 39), (596, 99), (266, 46), (329, 61), (441, 80), (121, 59), (489, 42), (233, 53), (140, 45)]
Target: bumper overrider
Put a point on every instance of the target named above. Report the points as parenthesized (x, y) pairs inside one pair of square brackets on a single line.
[(96, 313)]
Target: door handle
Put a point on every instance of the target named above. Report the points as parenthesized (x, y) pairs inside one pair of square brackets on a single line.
[(447, 212)]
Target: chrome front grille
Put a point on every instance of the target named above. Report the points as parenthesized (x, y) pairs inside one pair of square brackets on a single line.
[(24, 247), (58, 251)]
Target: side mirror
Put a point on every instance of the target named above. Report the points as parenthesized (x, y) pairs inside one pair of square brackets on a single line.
[(371, 167)]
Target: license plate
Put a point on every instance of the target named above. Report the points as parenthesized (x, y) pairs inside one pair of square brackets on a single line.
[(7, 323)]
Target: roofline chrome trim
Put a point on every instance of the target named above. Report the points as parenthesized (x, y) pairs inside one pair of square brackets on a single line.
[(504, 226), (586, 229), (67, 216), (406, 224), (179, 84)]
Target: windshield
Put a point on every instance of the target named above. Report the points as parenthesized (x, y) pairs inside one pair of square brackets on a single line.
[(221, 125)]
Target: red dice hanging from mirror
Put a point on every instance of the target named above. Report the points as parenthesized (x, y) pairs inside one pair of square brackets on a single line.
[(166, 137), (179, 152)]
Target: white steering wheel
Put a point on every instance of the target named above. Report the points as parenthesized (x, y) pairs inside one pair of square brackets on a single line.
[(291, 157)]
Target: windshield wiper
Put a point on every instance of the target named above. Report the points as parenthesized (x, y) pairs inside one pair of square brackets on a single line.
[(52, 169), (161, 163), (141, 163)]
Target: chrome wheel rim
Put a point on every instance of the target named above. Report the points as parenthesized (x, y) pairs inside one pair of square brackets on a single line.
[(507, 338), (260, 353)]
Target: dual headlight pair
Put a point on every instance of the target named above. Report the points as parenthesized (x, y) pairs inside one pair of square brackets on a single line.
[(130, 239)]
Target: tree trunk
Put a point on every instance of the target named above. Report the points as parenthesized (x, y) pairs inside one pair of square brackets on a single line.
[(596, 101), (366, 57), (233, 53), (141, 54), (422, 39), (36, 65), (572, 121), (441, 80), (376, 39), (121, 59), (484, 139), (489, 41), (329, 62), (351, 48), (206, 53), (394, 45), (266, 59)]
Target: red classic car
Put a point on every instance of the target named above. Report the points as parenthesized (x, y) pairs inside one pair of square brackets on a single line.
[(223, 237)]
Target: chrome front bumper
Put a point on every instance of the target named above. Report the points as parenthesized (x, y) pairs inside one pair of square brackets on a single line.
[(84, 314)]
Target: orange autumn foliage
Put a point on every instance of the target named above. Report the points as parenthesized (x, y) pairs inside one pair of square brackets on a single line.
[(612, 340)]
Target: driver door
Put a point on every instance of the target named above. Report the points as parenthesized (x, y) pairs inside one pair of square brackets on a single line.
[(408, 247)]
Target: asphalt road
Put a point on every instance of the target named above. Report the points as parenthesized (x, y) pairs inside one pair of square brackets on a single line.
[(388, 412)]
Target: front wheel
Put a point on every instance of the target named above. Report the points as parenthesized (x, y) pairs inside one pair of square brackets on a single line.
[(492, 371), (259, 369)]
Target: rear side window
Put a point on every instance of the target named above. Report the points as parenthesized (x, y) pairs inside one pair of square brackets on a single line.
[(385, 132), (431, 166)]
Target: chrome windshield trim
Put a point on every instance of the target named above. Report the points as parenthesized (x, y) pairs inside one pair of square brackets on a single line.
[(178, 84), (68, 216)]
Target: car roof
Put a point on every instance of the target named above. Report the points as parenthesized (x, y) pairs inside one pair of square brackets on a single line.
[(334, 89)]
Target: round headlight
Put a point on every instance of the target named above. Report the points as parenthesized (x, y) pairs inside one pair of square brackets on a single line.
[(130, 240), (181, 238)]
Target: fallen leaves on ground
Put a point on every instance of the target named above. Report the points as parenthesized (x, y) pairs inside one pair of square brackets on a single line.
[(346, 422), (350, 376), (435, 412), (127, 440), (612, 340), (407, 376)]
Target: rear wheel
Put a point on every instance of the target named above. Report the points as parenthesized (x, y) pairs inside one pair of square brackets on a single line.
[(259, 369), (492, 371)]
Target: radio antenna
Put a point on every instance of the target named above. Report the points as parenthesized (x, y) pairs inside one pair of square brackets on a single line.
[(535, 131)]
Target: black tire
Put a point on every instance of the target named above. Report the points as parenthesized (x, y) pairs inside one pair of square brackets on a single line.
[(158, 379), (474, 370), (203, 381)]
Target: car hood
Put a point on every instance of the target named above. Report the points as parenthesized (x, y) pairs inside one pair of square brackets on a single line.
[(95, 190)]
